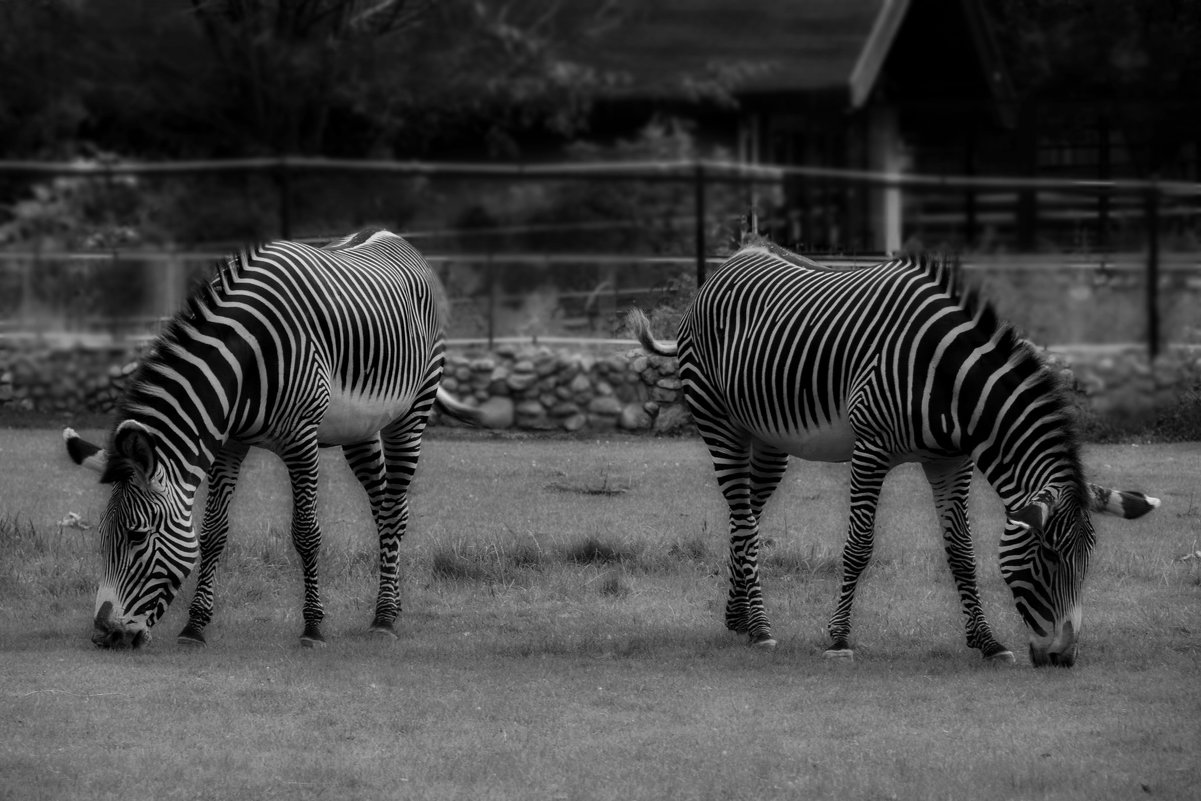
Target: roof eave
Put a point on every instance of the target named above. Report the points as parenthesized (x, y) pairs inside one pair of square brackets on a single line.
[(875, 51)]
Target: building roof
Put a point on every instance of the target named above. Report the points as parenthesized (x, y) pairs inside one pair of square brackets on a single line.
[(777, 46)]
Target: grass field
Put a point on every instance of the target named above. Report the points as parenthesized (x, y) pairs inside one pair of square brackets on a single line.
[(562, 638)]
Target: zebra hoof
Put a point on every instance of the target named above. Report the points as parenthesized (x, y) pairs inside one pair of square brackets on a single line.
[(1003, 657), (312, 637), (191, 635), (762, 641), (844, 654), (381, 632)]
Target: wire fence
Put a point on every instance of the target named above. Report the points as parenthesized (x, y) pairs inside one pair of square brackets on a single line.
[(555, 251)]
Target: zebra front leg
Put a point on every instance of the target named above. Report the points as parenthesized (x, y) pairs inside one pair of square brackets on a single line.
[(868, 469), (951, 482), (402, 449), (302, 461), (223, 478)]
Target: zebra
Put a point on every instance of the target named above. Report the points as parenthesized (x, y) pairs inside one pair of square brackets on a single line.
[(878, 366), (290, 348)]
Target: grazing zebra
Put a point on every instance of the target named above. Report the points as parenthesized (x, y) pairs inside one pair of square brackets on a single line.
[(290, 348), (894, 363)]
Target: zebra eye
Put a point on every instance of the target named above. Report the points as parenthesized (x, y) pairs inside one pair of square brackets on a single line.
[(137, 535)]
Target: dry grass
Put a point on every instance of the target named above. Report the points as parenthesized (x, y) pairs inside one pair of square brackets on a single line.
[(568, 644)]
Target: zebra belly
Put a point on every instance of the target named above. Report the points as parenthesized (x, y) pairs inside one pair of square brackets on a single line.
[(832, 441), (354, 417)]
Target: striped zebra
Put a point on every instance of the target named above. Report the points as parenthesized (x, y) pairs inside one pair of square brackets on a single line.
[(290, 348), (895, 363)]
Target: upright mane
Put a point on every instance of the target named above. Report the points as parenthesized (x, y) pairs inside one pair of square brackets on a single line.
[(1019, 352), (181, 329)]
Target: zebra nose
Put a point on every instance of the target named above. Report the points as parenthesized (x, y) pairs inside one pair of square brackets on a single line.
[(107, 631), (102, 638), (102, 623), (1060, 653), (1065, 658)]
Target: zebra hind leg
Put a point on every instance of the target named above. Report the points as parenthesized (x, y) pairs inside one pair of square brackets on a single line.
[(366, 460), (951, 482), (745, 613), (302, 459), (223, 478), (402, 448), (767, 467)]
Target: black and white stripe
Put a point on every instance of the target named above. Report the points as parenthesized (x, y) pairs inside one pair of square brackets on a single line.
[(291, 348), (879, 366)]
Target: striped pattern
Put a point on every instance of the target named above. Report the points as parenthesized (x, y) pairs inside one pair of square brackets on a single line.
[(879, 366), (290, 348)]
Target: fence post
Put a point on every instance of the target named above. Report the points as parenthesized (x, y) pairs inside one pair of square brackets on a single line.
[(172, 287), (1103, 174), (699, 205), (1152, 210), (491, 300), (283, 183)]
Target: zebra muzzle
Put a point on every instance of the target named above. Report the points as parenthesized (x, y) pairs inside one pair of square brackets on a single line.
[(109, 632)]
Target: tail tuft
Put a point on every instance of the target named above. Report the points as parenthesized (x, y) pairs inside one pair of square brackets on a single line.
[(1121, 503), (639, 327)]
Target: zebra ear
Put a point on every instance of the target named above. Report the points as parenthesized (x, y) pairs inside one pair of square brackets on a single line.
[(83, 452), (1121, 503), (1032, 517), (133, 443)]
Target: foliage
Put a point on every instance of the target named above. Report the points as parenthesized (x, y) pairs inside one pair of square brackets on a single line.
[(242, 77), (1142, 56), (76, 212), (611, 216), (41, 83), (72, 213), (658, 215)]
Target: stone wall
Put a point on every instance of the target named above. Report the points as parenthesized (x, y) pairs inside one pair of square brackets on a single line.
[(540, 389)]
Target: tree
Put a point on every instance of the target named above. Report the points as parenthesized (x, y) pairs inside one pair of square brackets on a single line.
[(245, 77), (1139, 58), (364, 76), (41, 89)]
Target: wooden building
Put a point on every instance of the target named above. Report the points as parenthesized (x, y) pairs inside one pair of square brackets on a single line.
[(883, 85)]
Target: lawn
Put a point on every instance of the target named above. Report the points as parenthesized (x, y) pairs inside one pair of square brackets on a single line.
[(562, 638)]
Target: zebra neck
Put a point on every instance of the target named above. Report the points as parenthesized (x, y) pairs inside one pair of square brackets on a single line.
[(188, 430), (1030, 447)]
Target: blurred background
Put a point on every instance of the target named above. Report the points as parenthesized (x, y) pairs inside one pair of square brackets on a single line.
[(560, 160)]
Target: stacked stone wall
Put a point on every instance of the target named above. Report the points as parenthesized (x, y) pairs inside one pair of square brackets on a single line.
[(544, 389)]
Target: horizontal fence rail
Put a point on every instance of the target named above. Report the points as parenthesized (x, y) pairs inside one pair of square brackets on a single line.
[(1000, 203), (669, 170)]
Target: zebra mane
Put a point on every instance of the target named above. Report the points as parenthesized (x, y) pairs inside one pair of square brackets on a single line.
[(756, 241), (1020, 351), (179, 330), (947, 272), (201, 298)]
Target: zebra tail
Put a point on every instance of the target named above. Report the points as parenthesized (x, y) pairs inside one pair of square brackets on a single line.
[(1121, 503), (446, 403), (640, 328)]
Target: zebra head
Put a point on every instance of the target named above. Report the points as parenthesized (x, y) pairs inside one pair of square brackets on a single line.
[(146, 539), (1045, 553)]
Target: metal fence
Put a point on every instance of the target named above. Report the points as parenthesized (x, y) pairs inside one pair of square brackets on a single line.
[(566, 246)]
